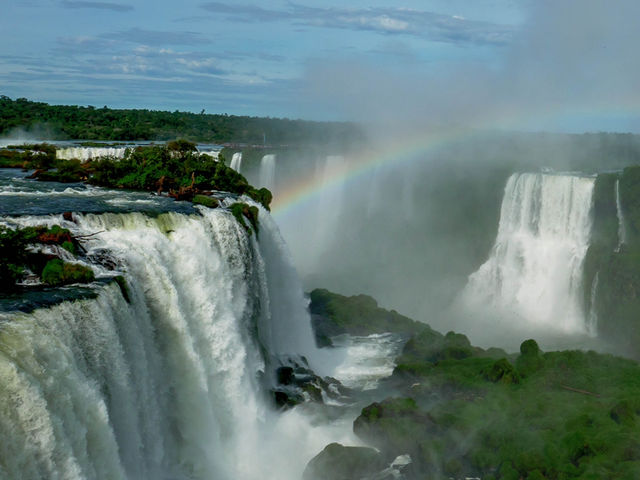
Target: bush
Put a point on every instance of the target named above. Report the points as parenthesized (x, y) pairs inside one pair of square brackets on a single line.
[(210, 202), (56, 272)]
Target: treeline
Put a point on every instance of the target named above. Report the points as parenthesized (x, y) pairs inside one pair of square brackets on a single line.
[(62, 122)]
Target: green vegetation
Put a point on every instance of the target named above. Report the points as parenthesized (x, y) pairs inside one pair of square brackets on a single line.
[(241, 211), (337, 462), (564, 414), (176, 168), (124, 287), (617, 297), (56, 272), (461, 411), (35, 156), (16, 259), (210, 202), (90, 123), (335, 314)]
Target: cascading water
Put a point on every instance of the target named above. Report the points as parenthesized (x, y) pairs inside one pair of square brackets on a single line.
[(236, 161), (268, 171), (592, 319), (622, 229), (329, 204), (534, 273), (85, 154), (166, 386)]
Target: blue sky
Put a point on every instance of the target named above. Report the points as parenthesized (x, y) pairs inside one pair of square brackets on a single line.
[(451, 59)]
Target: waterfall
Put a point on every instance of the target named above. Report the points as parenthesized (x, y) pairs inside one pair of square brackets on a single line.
[(168, 385), (85, 154), (592, 320), (236, 161), (268, 171), (534, 272), (329, 205), (622, 230)]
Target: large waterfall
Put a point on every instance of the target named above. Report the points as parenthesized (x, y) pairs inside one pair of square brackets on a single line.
[(534, 273), (172, 384)]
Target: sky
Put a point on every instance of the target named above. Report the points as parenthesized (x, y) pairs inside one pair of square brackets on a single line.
[(566, 65)]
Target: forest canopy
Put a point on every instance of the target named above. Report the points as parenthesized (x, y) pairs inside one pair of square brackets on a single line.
[(63, 122)]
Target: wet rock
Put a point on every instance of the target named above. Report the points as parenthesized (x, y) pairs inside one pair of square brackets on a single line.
[(337, 462)]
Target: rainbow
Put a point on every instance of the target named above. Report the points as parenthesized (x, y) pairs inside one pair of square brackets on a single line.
[(297, 195)]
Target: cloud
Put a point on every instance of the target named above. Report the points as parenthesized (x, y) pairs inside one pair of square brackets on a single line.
[(115, 7), (157, 38), (385, 20), (569, 61)]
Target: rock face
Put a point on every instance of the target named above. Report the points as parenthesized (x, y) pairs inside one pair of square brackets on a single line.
[(337, 462), (334, 314), (297, 383), (393, 426)]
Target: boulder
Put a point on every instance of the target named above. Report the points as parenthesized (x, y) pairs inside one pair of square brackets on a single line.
[(337, 462)]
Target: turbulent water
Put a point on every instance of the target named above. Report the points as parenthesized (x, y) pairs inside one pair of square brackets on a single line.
[(20, 196), (172, 384), (534, 273)]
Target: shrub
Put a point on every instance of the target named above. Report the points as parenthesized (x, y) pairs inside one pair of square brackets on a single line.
[(56, 272)]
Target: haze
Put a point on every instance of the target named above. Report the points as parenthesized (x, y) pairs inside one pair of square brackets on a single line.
[(542, 65)]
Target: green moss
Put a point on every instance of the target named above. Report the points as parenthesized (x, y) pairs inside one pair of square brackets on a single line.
[(337, 462), (124, 287), (262, 196), (69, 247), (56, 272), (210, 202), (241, 211)]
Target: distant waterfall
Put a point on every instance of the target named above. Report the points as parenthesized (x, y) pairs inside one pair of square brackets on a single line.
[(85, 154), (164, 387), (236, 161), (592, 319), (268, 171), (329, 204), (622, 229), (534, 273)]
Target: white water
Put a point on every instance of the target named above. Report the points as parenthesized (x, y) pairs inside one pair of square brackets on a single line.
[(268, 171), (236, 161), (592, 320), (85, 154), (367, 360), (534, 274), (165, 387), (622, 229)]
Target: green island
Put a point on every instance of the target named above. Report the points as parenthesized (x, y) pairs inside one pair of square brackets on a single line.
[(175, 168), (461, 411)]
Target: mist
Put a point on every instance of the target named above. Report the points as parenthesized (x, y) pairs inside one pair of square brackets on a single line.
[(421, 214), (567, 59)]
